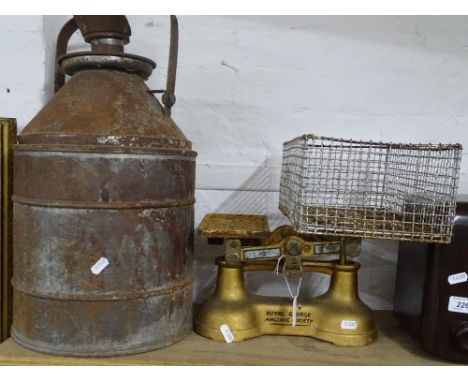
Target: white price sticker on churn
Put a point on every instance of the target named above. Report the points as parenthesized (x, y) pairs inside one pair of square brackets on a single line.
[(100, 265), (457, 278), (228, 337), (349, 324)]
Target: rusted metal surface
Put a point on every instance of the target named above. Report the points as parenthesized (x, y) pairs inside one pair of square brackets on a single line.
[(140, 301), (234, 226), (102, 173), (144, 178), (101, 26), (104, 107), (107, 34), (74, 62), (126, 327), (168, 97), (61, 46)]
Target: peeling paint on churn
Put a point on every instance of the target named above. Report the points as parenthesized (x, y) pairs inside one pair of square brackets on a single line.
[(103, 205)]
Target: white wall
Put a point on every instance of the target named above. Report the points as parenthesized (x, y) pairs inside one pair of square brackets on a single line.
[(246, 84), (21, 67)]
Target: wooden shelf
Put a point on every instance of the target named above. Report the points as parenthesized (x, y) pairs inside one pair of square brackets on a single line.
[(393, 347)]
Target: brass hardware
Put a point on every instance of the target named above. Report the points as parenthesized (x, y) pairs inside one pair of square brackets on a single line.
[(8, 138), (293, 258), (338, 316), (232, 251), (330, 186)]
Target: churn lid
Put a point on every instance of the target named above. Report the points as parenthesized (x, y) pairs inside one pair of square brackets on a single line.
[(106, 101)]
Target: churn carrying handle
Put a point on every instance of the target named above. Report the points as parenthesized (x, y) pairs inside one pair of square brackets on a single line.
[(63, 38), (168, 97)]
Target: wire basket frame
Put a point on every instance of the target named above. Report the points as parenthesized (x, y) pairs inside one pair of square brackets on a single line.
[(370, 189)]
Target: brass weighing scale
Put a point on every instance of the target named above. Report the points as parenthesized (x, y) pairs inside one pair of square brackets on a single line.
[(334, 192)]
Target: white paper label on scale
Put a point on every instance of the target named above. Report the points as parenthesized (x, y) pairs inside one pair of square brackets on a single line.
[(349, 324), (458, 304), (227, 334), (457, 278), (100, 265)]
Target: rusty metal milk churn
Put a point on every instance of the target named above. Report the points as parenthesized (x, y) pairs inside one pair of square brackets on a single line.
[(103, 205)]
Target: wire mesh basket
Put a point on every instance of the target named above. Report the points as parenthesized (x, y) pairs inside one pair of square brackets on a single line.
[(370, 189)]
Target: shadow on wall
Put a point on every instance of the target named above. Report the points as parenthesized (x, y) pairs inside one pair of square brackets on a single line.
[(258, 195), (252, 197)]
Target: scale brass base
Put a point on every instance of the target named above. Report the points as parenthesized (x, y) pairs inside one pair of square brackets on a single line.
[(338, 316)]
